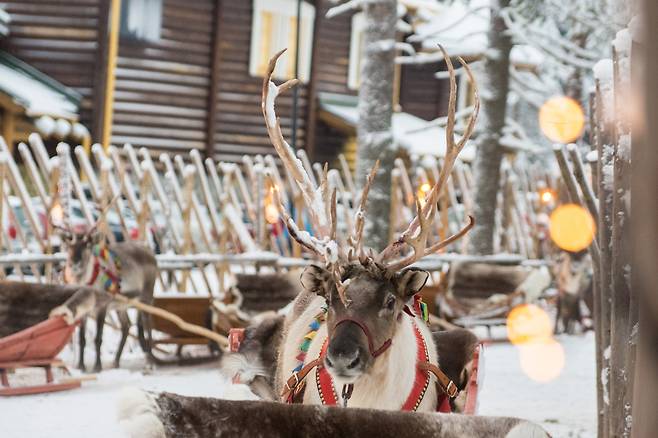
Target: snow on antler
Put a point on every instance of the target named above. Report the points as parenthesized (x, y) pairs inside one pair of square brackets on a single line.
[(316, 198), (418, 231), (320, 201)]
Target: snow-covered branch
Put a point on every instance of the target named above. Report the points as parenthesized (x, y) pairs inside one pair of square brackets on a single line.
[(418, 38)]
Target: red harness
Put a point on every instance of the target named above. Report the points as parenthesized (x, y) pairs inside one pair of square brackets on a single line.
[(328, 394)]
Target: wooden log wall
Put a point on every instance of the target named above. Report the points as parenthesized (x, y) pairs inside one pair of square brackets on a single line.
[(421, 93), (61, 39), (239, 127), (162, 87)]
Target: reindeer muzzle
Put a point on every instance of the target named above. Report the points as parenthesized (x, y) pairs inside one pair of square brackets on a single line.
[(373, 352)]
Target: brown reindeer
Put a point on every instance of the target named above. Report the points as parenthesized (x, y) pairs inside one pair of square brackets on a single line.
[(128, 268), (353, 335)]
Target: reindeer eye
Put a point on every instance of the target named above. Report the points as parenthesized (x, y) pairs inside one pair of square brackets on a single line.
[(390, 303)]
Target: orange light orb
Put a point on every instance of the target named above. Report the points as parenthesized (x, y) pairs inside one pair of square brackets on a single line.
[(426, 187), (546, 196), (528, 323), (572, 228), (542, 360), (271, 214), (57, 213), (561, 119)]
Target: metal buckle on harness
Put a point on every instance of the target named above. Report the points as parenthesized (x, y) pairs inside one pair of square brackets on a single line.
[(452, 390), (296, 382)]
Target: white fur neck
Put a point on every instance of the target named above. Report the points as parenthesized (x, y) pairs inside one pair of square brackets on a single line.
[(390, 379)]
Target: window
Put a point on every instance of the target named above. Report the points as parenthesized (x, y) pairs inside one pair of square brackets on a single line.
[(273, 27), (141, 20), (356, 48)]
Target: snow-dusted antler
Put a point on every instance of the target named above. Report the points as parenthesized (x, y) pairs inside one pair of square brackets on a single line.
[(419, 229), (320, 202)]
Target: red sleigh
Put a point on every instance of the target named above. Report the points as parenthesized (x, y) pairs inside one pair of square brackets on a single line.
[(36, 347), (236, 336)]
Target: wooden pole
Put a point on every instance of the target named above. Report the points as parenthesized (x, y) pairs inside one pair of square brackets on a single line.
[(180, 323), (112, 53)]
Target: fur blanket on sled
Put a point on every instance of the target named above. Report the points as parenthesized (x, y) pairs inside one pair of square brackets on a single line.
[(166, 415), (23, 305)]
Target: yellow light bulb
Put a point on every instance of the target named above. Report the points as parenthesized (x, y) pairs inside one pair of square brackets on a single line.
[(271, 214), (571, 227), (561, 119), (528, 323)]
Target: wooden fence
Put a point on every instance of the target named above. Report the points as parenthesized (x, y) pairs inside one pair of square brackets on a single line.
[(606, 195), (202, 217)]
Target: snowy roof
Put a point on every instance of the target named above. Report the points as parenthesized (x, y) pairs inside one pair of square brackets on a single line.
[(5, 19), (461, 28), (409, 132), (36, 92)]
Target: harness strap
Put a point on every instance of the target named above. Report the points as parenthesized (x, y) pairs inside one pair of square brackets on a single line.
[(444, 382), (294, 381)]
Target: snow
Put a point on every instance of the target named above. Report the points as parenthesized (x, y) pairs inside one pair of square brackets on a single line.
[(412, 133), (566, 407), (461, 28), (603, 70), (623, 42), (37, 98)]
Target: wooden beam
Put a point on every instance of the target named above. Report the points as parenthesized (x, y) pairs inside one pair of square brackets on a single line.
[(8, 128), (100, 72), (215, 61), (644, 220), (112, 54), (312, 107)]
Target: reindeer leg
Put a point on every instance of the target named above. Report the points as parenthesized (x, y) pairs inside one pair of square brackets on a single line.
[(100, 324), (81, 344), (124, 320)]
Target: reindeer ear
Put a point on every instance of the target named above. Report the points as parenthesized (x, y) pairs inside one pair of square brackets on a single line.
[(314, 279), (96, 238), (411, 281)]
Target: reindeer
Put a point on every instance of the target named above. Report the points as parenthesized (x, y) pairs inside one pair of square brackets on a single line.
[(128, 268), (355, 327)]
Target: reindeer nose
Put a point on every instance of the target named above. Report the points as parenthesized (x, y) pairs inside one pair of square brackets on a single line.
[(344, 358)]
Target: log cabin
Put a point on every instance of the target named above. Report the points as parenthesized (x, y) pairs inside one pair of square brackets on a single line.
[(175, 75)]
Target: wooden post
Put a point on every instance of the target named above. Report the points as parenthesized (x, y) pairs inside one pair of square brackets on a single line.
[(113, 52), (604, 138)]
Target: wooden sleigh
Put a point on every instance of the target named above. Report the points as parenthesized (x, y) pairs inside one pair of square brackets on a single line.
[(236, 336), (36, 347)]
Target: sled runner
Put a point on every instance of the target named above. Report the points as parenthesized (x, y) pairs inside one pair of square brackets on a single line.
[(36, 347)]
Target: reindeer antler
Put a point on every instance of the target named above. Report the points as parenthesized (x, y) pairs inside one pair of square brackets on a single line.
[(320, 201), (418, 230)]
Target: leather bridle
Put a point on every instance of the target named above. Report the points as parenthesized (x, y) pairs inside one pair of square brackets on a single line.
[(364, 328)]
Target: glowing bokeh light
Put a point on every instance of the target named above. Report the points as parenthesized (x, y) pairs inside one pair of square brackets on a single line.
[(572, 228), (528, 323), (561, 119), (271, 214), (542, 360), (426, 187), (57, 213), (546, 196)]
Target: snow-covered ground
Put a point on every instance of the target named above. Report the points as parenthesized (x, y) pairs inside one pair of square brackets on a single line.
[(566, 406)]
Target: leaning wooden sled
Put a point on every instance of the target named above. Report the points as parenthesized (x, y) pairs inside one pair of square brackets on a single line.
[(236, 336), (36, 347)]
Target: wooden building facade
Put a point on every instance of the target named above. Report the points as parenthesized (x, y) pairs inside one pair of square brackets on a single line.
[(186, 74)]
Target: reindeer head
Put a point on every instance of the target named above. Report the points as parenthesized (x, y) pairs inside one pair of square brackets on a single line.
[(79, 246), (360, 332), (366, 293)]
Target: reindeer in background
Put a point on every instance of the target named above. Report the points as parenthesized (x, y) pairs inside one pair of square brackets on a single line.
[(355, 335), (126, 268)]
